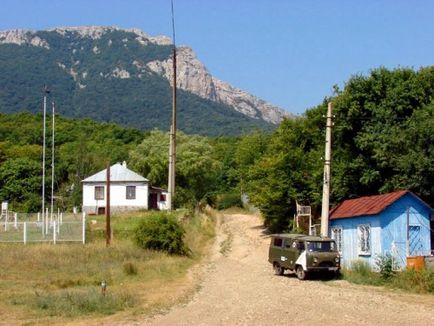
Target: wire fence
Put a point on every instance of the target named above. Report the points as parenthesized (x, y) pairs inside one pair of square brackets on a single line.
[(51, 228)]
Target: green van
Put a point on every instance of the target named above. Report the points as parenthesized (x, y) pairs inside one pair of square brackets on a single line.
[(303, 254)]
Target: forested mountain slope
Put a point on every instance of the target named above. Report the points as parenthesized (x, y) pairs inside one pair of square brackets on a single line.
[(115, 75)]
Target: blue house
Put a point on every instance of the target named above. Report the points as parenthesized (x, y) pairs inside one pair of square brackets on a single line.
[(396, 223)]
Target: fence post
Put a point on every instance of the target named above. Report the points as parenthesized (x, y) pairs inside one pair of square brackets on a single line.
[(54, 232), (15, 221), (84, 228), (6, 221), (46, 222), (25, 232)]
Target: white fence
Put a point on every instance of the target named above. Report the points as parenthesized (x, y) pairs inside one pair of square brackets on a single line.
[(24, 228)]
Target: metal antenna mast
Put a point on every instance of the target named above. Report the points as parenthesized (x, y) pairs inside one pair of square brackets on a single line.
[(172, 148), (52, 164), (46, 92)]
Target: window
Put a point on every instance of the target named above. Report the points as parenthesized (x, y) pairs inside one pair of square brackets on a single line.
[(364, 233), (277, 242), (320, 246), (99, 192), (287, 243), (337, 236), (162, 197), (131, 192)]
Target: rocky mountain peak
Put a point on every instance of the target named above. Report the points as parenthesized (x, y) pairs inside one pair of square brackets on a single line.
[(20, 37), (193, 76)]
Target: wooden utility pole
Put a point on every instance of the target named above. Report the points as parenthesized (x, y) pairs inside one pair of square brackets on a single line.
[(326, 182), (172, 145), (107, 207)]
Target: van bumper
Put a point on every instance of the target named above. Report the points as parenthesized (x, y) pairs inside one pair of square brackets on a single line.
[(323, 269)]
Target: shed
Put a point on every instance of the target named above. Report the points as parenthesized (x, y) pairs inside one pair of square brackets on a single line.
[(128, 190), (396, 223), (157, 198)]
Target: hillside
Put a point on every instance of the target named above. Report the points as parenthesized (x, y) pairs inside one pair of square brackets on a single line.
[(121, 76)]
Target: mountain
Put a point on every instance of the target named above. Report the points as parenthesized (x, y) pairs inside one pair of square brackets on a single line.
[(123, 76)]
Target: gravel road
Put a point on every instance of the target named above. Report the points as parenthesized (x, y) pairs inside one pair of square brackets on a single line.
[(238, 287)]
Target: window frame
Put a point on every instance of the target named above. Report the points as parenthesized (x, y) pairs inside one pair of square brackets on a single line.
[(338, 239), (278, 242), (364, 239), (99, 190), (128, 194)]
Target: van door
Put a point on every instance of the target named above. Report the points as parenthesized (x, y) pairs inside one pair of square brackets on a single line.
[(292, 252)]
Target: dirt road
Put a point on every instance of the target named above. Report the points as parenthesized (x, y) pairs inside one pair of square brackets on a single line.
[(239, 288)]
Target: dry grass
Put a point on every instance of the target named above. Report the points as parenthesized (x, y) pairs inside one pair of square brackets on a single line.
[(43, 283)]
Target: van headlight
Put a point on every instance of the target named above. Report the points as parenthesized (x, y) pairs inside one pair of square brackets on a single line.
[(315, 260), (337, 259)]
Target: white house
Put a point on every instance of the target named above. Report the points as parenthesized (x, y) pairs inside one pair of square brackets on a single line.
[(128, 191)]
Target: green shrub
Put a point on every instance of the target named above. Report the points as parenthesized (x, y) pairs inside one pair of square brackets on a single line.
[(227, 200), (385, 265), (161, 231), (416, 281), (184, 198)]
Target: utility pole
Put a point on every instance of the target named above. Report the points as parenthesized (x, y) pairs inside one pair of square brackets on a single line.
[(326, 182), (107, 207), (46, 92), (172, 145), (52, 165)]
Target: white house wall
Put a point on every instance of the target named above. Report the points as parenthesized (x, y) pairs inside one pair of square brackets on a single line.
[(118, 200)]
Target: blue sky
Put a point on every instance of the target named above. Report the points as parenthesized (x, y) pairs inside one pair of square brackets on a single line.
[(287, 52)]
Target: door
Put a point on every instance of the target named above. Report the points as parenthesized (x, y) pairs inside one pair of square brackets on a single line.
[(153, 201), (415, 242), (291, 253)]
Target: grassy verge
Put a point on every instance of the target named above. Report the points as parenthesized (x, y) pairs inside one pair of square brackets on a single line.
[(416, 281), (54, 283)]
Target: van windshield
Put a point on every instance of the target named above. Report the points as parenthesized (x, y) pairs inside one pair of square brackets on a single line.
[(322, 246)]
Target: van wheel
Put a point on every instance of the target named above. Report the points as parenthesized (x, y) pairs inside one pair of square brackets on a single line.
[(301, 274), (278, 270)]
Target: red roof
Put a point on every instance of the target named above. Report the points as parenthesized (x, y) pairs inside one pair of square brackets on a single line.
[(370, 205)]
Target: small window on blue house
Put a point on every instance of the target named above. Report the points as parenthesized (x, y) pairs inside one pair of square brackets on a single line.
[(337, 236), (364, 235)]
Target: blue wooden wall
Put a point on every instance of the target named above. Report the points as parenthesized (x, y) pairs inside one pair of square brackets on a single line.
[(388, 230)]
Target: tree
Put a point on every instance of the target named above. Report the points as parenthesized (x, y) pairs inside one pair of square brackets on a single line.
[(196, 169), (20, 183)]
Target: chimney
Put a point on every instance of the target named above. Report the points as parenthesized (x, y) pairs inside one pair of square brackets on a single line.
[(124, 164)]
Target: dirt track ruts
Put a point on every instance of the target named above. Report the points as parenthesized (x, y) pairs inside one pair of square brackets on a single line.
[(239, 288)]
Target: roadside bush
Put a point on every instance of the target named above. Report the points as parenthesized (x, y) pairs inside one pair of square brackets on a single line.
[(184, 198), (227, 200), (385, 266), (161, 231), (416, 281)]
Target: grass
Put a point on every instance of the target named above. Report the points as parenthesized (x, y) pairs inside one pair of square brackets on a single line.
[(63, 281), (416, 281)]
